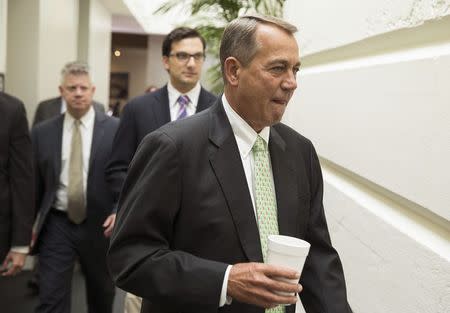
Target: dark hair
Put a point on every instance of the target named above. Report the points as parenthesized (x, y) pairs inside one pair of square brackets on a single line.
[(178, 34)]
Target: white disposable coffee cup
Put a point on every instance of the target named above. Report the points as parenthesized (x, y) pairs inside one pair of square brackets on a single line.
[(289, 252)]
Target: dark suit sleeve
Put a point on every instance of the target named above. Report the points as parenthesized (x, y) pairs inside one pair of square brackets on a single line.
[(123, 149), (21, 180), (322, 278), (140, 256)]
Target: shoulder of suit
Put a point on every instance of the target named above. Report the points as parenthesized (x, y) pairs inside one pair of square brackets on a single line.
[(291, 135), (142, 101), (51, 101), (11, 102), (210, 96), (47, 124)]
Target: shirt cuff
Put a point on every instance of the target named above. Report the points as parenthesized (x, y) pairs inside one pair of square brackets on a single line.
[(224, 299), (21, 249)]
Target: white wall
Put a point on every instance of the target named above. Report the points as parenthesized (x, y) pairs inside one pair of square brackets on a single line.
[(156, 74), (373, 96), (99, 50)]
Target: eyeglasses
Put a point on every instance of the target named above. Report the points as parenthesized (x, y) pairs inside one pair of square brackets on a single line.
[(185, 57)]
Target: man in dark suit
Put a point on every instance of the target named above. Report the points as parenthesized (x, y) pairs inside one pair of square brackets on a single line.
[(55, 106), (73, 198), (16, 185), (183, 53), (203, 194)]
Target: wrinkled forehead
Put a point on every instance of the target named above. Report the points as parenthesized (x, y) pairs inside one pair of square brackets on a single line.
[(76, 79)]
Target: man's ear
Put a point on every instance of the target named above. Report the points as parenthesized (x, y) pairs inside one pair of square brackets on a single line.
[(60, 90), (232, 69), (165, 61)]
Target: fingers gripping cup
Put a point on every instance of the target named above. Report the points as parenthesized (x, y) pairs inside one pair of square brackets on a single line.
[(287, 252)]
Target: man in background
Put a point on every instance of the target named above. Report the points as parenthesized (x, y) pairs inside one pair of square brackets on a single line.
[(183, 54), (55, 106), (203, 194), (16, 186), (74, 201)]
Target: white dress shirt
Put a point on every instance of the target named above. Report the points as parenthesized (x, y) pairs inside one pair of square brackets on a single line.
[(174, 94), (86, 130), (63, 105), (245, 137)]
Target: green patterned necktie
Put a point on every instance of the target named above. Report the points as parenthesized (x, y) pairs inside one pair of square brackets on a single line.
[(266, 205)]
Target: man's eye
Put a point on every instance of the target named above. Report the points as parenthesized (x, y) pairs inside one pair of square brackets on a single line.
[(182, 55), (278, 69)]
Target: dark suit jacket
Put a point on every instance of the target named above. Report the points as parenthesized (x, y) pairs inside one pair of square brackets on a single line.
[(16, 176), (141, 116), (52, 107), (185, 213), (47, 141)]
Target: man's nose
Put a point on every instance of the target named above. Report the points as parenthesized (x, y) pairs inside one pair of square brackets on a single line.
[(290, 82), (191, 61)]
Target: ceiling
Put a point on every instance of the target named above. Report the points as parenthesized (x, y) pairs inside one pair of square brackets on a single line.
[(136, 16)]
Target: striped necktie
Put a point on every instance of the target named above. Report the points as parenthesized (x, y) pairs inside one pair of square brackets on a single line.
[(183, 101), (76, 207)]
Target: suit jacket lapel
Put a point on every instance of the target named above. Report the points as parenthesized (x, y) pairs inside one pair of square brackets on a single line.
[(55, 108), (286, 186), (96, 137), (57, 135), (227, 166), (161, 106), (202, 101)]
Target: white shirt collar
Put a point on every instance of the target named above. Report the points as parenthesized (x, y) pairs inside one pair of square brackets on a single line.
[(87, 120), (244, 133), (174, 94)]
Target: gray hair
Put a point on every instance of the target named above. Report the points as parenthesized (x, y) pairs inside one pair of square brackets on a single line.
[(75, 68), (239, 40)]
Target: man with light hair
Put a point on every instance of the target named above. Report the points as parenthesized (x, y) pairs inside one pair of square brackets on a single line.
[(72, 197), (203, 195)]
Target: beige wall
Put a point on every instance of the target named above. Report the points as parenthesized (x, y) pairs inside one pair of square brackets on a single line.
[(22, 52), (99, 49), (373, 96), (156, 74), (54, 33), (3, 33), (57, 43), (133, 61)]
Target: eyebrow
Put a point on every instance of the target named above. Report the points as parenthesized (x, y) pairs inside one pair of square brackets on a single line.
[(284, 62)]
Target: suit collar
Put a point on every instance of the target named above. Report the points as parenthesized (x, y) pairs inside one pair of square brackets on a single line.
[(286, 185), (204, 100), (160, 106), (97, 136), (227, 165)]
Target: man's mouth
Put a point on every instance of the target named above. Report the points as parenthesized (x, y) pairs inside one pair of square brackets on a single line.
[(280, 101)]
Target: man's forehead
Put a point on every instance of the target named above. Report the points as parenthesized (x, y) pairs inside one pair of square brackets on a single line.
[(76, 79), (188, 44)]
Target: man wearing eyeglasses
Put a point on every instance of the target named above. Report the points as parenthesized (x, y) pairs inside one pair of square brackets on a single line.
[(183, 55)]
